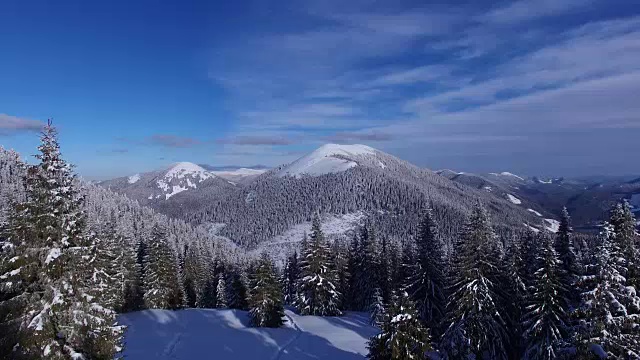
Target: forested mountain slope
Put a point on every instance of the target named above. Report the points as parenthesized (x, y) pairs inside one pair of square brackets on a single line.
[(588, 199), (125, 216), (339, 180)]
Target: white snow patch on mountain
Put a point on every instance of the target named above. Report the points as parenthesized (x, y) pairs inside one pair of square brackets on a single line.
[(239, 172), (488, 188), (506, 173), (329, 158), (535, 212), (227, 335), (133, 178), (333, 227), (552, 225), (535, 230), (514, 199), (183, 169), (176, 190)]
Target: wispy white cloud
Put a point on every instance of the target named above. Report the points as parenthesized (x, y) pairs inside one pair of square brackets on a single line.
[(436, 75), (12, 124), (521, 11)]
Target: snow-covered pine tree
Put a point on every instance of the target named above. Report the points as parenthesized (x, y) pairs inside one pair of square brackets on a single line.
[(529, 249), (236, 288), (408, 260), (377, 308), (545, 320), (518, 291), (366, 275), (221, 292), (384, 271), (317, 291), (53, 311), (192, 275), (427, 283), (354, 259), (162, 287), (627, 238), (403, 335), (475, 307), (339, 259), (609, 320), (129, 277), (290, 278), (566, 254), (266, 300)]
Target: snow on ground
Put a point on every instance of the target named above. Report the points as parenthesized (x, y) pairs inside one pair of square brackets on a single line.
[(176, 190), (239, 172), (488, 188), (535, 230), (329, 158), (133, 178), (333, 226), (552, 225), (535, 212), (226, 335), (506, 173), (514, 199), (635, 200)]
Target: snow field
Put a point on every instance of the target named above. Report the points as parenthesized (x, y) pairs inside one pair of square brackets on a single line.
[(226, 335)]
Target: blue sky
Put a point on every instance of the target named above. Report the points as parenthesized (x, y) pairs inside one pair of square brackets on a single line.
[(536, 87)]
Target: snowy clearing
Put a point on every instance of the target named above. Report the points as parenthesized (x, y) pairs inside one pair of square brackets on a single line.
[(326, 159), (552, 225), (133, 178), (535, 230), (514, 199), (226, 335), (239, 172), (535, 212), (333, 226)]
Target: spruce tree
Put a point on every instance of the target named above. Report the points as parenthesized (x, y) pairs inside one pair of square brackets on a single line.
[(162, 287), (545, 321), (236, 289), (403, 335), (290, 279), (221, 292), (628, 240), (317, 291), (427, 283), (609, 320), (377, 308), (476, 306), (518, 291), (266, 300), (566, 254), (58, 308)]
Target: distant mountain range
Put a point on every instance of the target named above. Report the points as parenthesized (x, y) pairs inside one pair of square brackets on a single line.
[(588, 199), (271, 209)]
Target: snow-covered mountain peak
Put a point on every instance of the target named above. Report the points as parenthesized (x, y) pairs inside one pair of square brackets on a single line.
[(181, 169), (329, 158), (182, 176)]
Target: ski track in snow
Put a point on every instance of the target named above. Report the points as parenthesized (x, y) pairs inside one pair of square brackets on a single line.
[(284, 347), (170, 349)]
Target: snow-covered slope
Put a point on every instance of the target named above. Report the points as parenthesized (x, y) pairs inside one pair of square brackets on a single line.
[(329, 158), (239, 175), (226, 335)]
